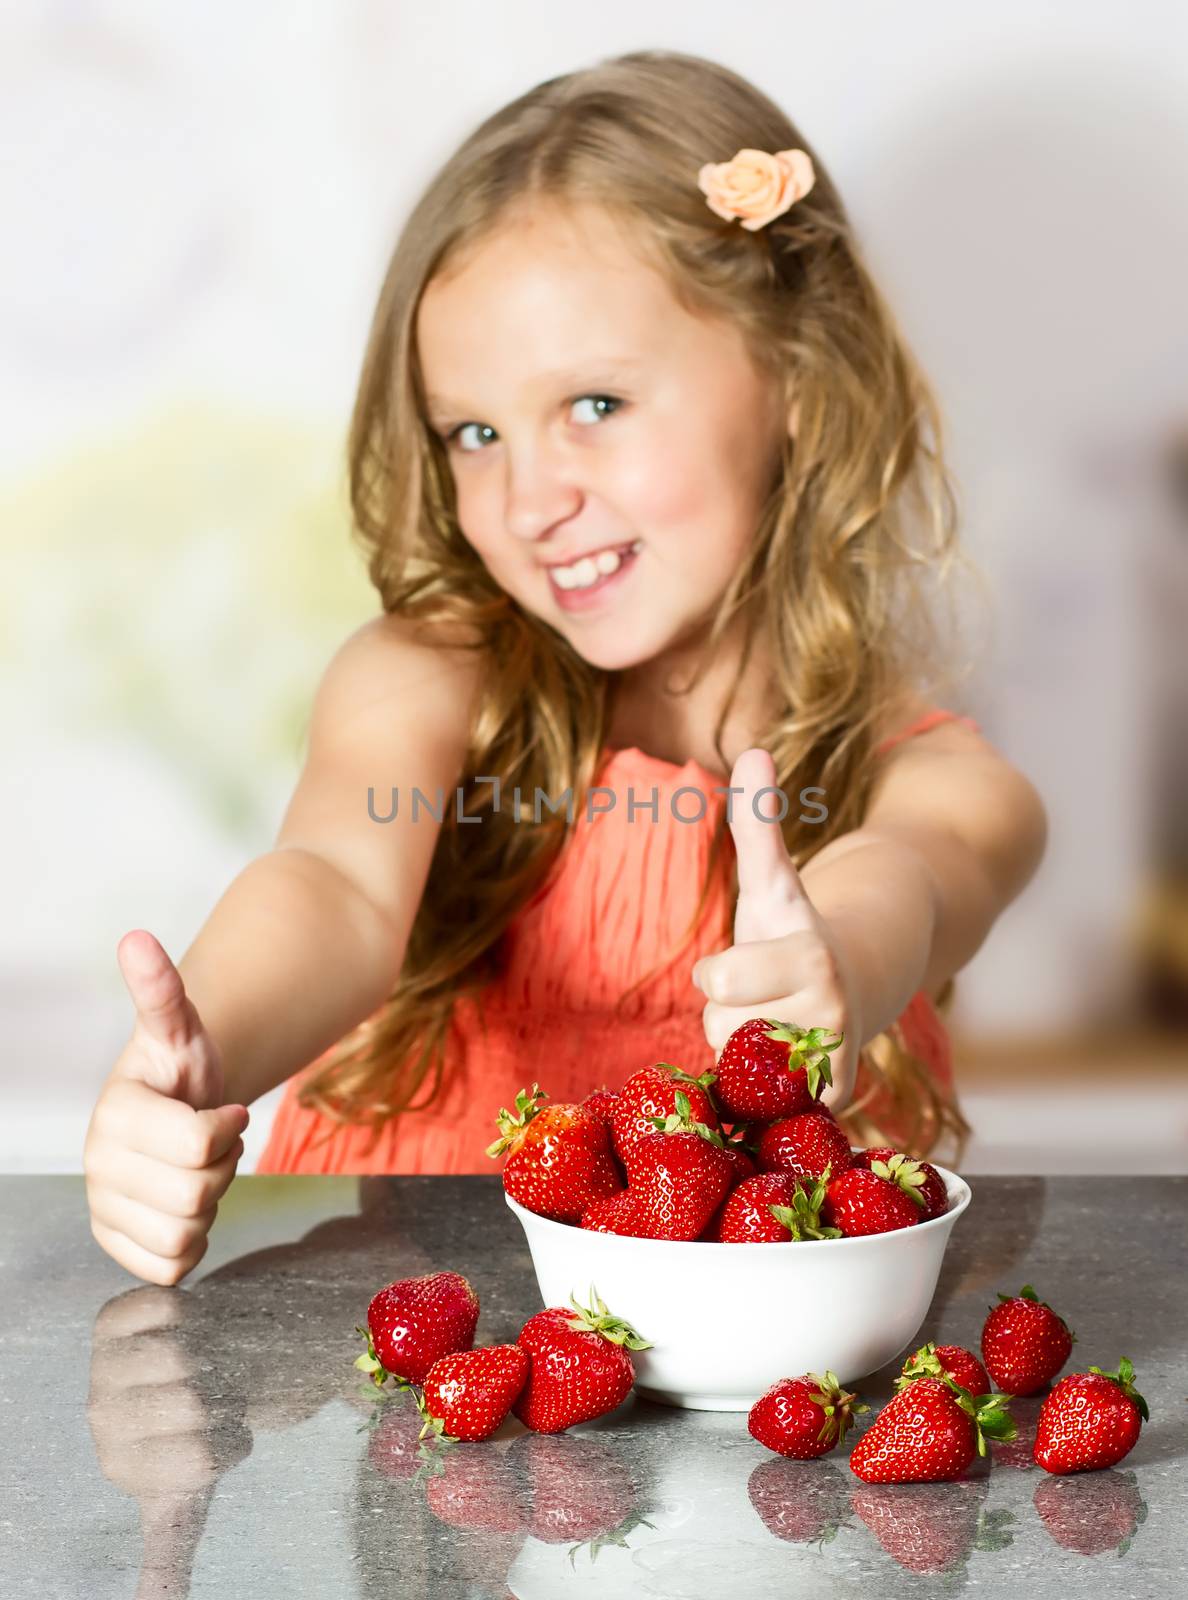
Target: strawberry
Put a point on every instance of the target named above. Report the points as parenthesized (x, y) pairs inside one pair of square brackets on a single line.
[(1091, 1419), (803, 1417), (614, 1213), (805, 1144), (1024, 1342), (1092, 1516), (559, 1157), (414, 1322), (742, 1154), (650, 1094), (772, 1208), (912, 1176), (679, 1176), (580, 1367), (945, 1361), (796, 1506), (467, 1395), (928, 1433), (602, 1103), (769, 1069), (859, 1202)]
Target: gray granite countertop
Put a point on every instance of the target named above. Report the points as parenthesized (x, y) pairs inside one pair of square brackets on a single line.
[(216, 1440)]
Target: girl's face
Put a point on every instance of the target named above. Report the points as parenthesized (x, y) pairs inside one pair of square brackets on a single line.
[(584, 410)]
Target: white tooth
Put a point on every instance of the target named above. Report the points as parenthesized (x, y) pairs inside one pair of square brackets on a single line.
[(584, 572), (563, 577), (607, 561)]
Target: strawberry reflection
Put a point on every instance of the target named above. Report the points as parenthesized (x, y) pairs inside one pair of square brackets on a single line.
[(930, 1528), (1093, 1513), (800, 1502), (577, 1490)]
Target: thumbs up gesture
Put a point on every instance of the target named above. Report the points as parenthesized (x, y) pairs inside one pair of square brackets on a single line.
[(784, 963), (161, 1147)]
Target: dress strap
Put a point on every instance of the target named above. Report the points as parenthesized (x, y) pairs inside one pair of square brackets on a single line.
[(930, 719)]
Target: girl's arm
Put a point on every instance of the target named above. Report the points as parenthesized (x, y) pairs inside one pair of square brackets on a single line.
[(952, 834), (308, 940)]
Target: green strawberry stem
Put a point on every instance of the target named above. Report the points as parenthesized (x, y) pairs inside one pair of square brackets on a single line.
[(681, 1121), (803, 1217), (370, 1363), (904, 1173), (595, 1318), (431, 1424), (680, 1076), (989, 1413), (510, 1127), (806, 1048), (925, 1363), (839, 1406), (1124, 1378)]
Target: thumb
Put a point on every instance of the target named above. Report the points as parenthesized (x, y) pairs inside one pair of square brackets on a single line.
[(771, 898), (179, 1058)]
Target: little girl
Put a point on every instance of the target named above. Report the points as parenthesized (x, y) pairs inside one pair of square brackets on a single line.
[(649, 486)]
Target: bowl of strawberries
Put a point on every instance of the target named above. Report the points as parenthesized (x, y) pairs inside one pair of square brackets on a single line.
[(729, 1220)]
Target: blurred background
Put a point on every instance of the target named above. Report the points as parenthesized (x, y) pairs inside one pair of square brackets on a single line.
[(197, 207)]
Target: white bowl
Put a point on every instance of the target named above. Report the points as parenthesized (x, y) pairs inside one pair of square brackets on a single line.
[(726, 1321)]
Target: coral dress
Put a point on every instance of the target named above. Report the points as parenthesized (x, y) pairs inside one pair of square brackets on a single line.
[(620, 899)]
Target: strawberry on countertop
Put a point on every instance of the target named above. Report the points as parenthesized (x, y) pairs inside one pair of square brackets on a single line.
[(414, 1322), (467, 1395), (1091, 1419), (928, 1433), (1024, 1342), (580, 1365), (803, 1417), (945, 1361)]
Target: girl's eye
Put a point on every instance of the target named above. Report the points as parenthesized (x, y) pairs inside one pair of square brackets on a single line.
[(483, 428)]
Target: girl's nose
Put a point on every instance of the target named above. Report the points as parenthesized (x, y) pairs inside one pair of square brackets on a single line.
[(541, 491)]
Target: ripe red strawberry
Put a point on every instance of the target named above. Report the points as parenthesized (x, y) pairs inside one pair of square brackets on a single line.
[(602, 1103), (559, 1157), (912, 1175), (1091, 1419), (614, 1213), (467, 1395), (1092, 1516), (860, 1202), (581, 1366), (741, 1153), (1024, 1342), (772, 1208), (945, 1361), (650, 1094), (928, 1433), (414, 1322), (771, 1069), (679, 1176), (796, 1506), (805, 1144), (803, 1417)]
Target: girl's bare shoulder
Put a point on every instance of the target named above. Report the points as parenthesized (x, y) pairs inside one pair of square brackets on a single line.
[(391, 662)]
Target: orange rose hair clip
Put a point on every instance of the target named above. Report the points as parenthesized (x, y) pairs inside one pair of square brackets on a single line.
[(756, 186)]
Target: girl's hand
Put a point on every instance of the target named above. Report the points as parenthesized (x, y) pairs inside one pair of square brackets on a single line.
[(784, 962), (161, 1147)]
